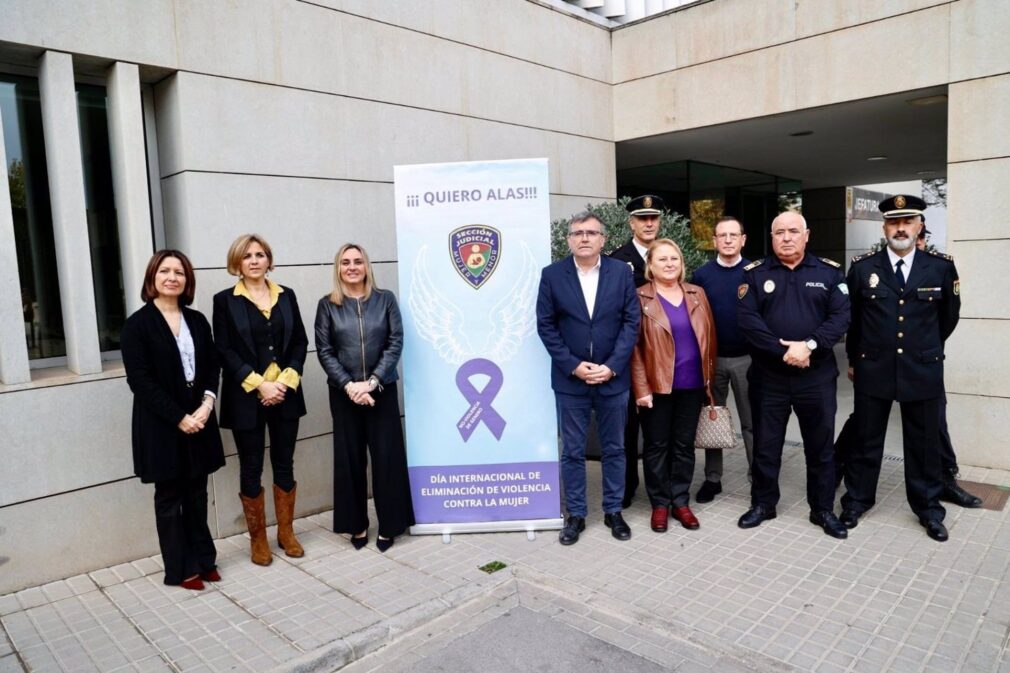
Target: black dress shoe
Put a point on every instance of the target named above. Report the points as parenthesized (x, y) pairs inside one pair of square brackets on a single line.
[(936, 530), (708, 491), (618, 527), (570, 533), (755, 515), (830, 524), (850, 518), (952, 492)]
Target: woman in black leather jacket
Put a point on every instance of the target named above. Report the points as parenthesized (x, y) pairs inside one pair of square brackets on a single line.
[(359, 338)]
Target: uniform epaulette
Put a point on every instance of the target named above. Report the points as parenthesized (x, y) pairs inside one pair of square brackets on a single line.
[(863, 256), (830, 262), (753, 265), (937, 253)]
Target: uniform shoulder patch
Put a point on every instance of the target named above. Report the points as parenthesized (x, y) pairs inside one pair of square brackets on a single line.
[(941, 255), (753, 265), (863, 256), (830, 262)]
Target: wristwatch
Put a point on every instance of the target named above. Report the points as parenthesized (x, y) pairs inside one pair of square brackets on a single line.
[(811, 344)]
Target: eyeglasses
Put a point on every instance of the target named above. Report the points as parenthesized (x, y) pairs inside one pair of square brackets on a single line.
[(584, 233), (728, 235)]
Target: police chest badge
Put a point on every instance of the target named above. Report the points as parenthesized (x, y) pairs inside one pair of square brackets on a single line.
[(769, 286), (475, 250), (874, 280)]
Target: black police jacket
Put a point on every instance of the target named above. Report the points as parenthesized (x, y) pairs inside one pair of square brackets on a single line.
[(629, 254), (808, 302), (895, 342)]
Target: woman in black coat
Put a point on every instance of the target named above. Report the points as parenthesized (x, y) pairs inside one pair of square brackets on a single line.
[(262, 344), (359, 338), (171, 367)]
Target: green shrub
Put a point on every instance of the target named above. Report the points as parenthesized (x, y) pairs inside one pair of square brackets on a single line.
[(615, 222)]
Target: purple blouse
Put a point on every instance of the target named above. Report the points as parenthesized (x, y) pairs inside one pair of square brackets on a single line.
[(687, 355)]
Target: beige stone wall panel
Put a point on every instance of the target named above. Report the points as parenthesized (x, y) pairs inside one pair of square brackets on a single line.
[(306, 46), (242, 127), (85, 442), (707, 32), (802, 74), (977, 119), (978, 428), (817, 16), (307, 219), (976, 363), (717, 30), (139, 31), (978, 200), (68, 534), (545, 36), (979, 38), (983, 288)]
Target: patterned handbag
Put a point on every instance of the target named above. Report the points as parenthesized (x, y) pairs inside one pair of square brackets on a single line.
[(715, 428)]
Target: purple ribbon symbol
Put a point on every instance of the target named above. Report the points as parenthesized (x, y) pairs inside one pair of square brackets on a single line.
[(480, 401)]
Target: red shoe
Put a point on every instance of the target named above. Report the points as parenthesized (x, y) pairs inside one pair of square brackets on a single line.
[(686, 517), (194, 584), (211, 576), (659, 517)]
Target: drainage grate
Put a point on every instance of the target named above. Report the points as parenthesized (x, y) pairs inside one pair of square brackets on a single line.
[(993, 497)]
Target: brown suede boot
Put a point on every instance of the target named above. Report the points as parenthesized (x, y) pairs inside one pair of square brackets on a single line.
[(284, 505), (256, 521)]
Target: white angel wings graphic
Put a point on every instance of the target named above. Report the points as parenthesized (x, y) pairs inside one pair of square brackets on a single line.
[(443, 324)]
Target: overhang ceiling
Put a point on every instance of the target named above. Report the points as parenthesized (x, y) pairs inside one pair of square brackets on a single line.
[(912, 137)]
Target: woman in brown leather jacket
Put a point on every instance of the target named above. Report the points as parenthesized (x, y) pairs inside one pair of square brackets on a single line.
[(671, 370)]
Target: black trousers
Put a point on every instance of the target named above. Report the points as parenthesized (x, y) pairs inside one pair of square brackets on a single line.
[(812, 396), (847, 439), (360, 431), (631, 428), (180, 510), (920, 429), (251, 447), (668, 455)]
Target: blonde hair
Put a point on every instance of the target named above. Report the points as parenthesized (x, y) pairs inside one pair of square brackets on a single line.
[(648, 257), (238, 249), (337, 295)]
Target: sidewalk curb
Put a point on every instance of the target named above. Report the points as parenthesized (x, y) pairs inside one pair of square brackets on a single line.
[(351, 648)]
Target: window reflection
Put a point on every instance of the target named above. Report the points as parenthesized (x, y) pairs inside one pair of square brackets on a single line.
[(33, 222)]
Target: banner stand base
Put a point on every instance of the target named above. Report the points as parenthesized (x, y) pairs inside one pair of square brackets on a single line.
[(527, 526)]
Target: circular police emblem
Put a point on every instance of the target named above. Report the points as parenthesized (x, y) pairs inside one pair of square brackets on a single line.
[(647, 202), (899, 201), (769, 286), (874, 280)]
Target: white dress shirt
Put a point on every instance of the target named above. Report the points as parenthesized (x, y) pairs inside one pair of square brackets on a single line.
[(642, 249), (590, 281), (906, 268)]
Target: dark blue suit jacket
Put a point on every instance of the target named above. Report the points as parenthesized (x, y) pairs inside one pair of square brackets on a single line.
[(571, 336)]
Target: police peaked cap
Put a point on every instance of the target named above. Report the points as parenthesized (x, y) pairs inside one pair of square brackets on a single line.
[(647, 204), (901, 205)]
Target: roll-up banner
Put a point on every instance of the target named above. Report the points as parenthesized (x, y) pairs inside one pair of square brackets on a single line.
[(481, 426)]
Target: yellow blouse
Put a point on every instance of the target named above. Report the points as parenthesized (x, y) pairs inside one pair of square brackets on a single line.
[(289, 377)]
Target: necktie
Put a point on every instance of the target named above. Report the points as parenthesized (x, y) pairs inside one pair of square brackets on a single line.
[(899, 274)]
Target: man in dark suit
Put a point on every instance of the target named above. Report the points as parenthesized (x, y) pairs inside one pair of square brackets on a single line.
[(587, 318), (643, 218), (904, 306)]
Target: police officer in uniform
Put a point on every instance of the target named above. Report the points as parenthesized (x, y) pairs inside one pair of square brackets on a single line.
[(643, 218), (904, 306), (793, 308)]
